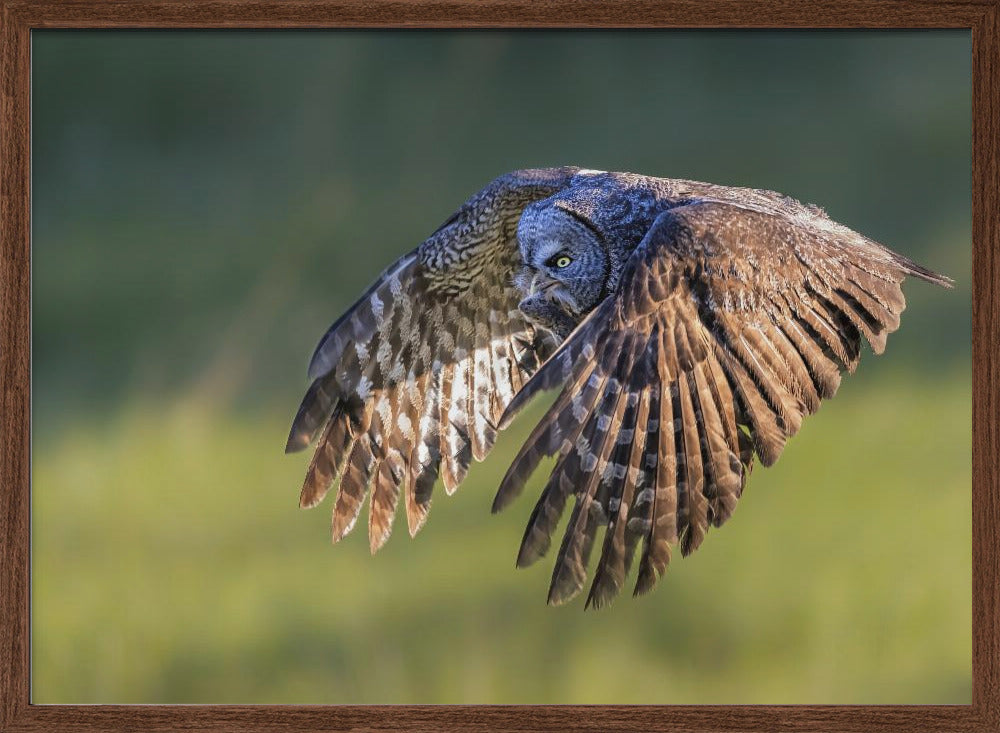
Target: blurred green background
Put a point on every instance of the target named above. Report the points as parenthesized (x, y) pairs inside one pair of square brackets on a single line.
[(206, 203)]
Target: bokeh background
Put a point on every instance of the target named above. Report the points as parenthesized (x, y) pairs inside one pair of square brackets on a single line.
[(205, 203)]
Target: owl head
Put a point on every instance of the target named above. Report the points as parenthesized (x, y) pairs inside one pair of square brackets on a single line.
[(565, 259)]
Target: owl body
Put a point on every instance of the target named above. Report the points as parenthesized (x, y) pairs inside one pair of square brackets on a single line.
[(689, 328)]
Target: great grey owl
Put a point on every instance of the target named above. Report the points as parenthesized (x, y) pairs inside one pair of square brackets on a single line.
[(689, 326)]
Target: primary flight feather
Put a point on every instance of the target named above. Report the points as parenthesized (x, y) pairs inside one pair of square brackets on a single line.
[(689, 327)]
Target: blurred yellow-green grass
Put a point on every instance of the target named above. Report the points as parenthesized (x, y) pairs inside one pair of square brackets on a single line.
[(171, 564)]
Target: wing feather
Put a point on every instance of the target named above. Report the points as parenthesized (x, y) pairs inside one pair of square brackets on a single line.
[(664, 508), (421, 468), (578, 428), (610, 575), (570, 570), (353, 487)]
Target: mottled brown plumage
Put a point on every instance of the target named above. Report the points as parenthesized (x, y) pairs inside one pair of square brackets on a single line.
[(693, 326)]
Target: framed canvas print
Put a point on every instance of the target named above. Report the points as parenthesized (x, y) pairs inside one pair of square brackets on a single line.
[(697, 300)]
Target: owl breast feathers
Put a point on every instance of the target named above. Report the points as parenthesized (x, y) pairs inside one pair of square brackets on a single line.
[(688, 326)]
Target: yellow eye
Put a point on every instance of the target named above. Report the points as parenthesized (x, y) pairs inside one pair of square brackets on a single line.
[(563, 261)]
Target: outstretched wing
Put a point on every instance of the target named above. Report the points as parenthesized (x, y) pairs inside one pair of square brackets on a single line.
[(411, 381), (732, 322)]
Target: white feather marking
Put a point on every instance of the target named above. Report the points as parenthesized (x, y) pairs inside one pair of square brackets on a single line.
[(377, 306), (423, 454), (384, 410), (384, 352), (395, 287), (625, 436), (396, 373)]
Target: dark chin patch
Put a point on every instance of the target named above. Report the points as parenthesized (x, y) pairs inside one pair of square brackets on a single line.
[(548, 314)]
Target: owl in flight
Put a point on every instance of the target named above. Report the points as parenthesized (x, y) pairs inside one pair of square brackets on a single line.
[(687, 326)]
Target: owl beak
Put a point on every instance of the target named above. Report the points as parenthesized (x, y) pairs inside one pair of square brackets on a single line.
[(544, 287), (541, 284)]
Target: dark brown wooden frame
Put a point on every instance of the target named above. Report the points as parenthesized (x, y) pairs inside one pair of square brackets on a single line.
[(20, 17)]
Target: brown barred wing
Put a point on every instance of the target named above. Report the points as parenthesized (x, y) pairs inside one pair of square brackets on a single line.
[(410, 382), (731, 324)]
